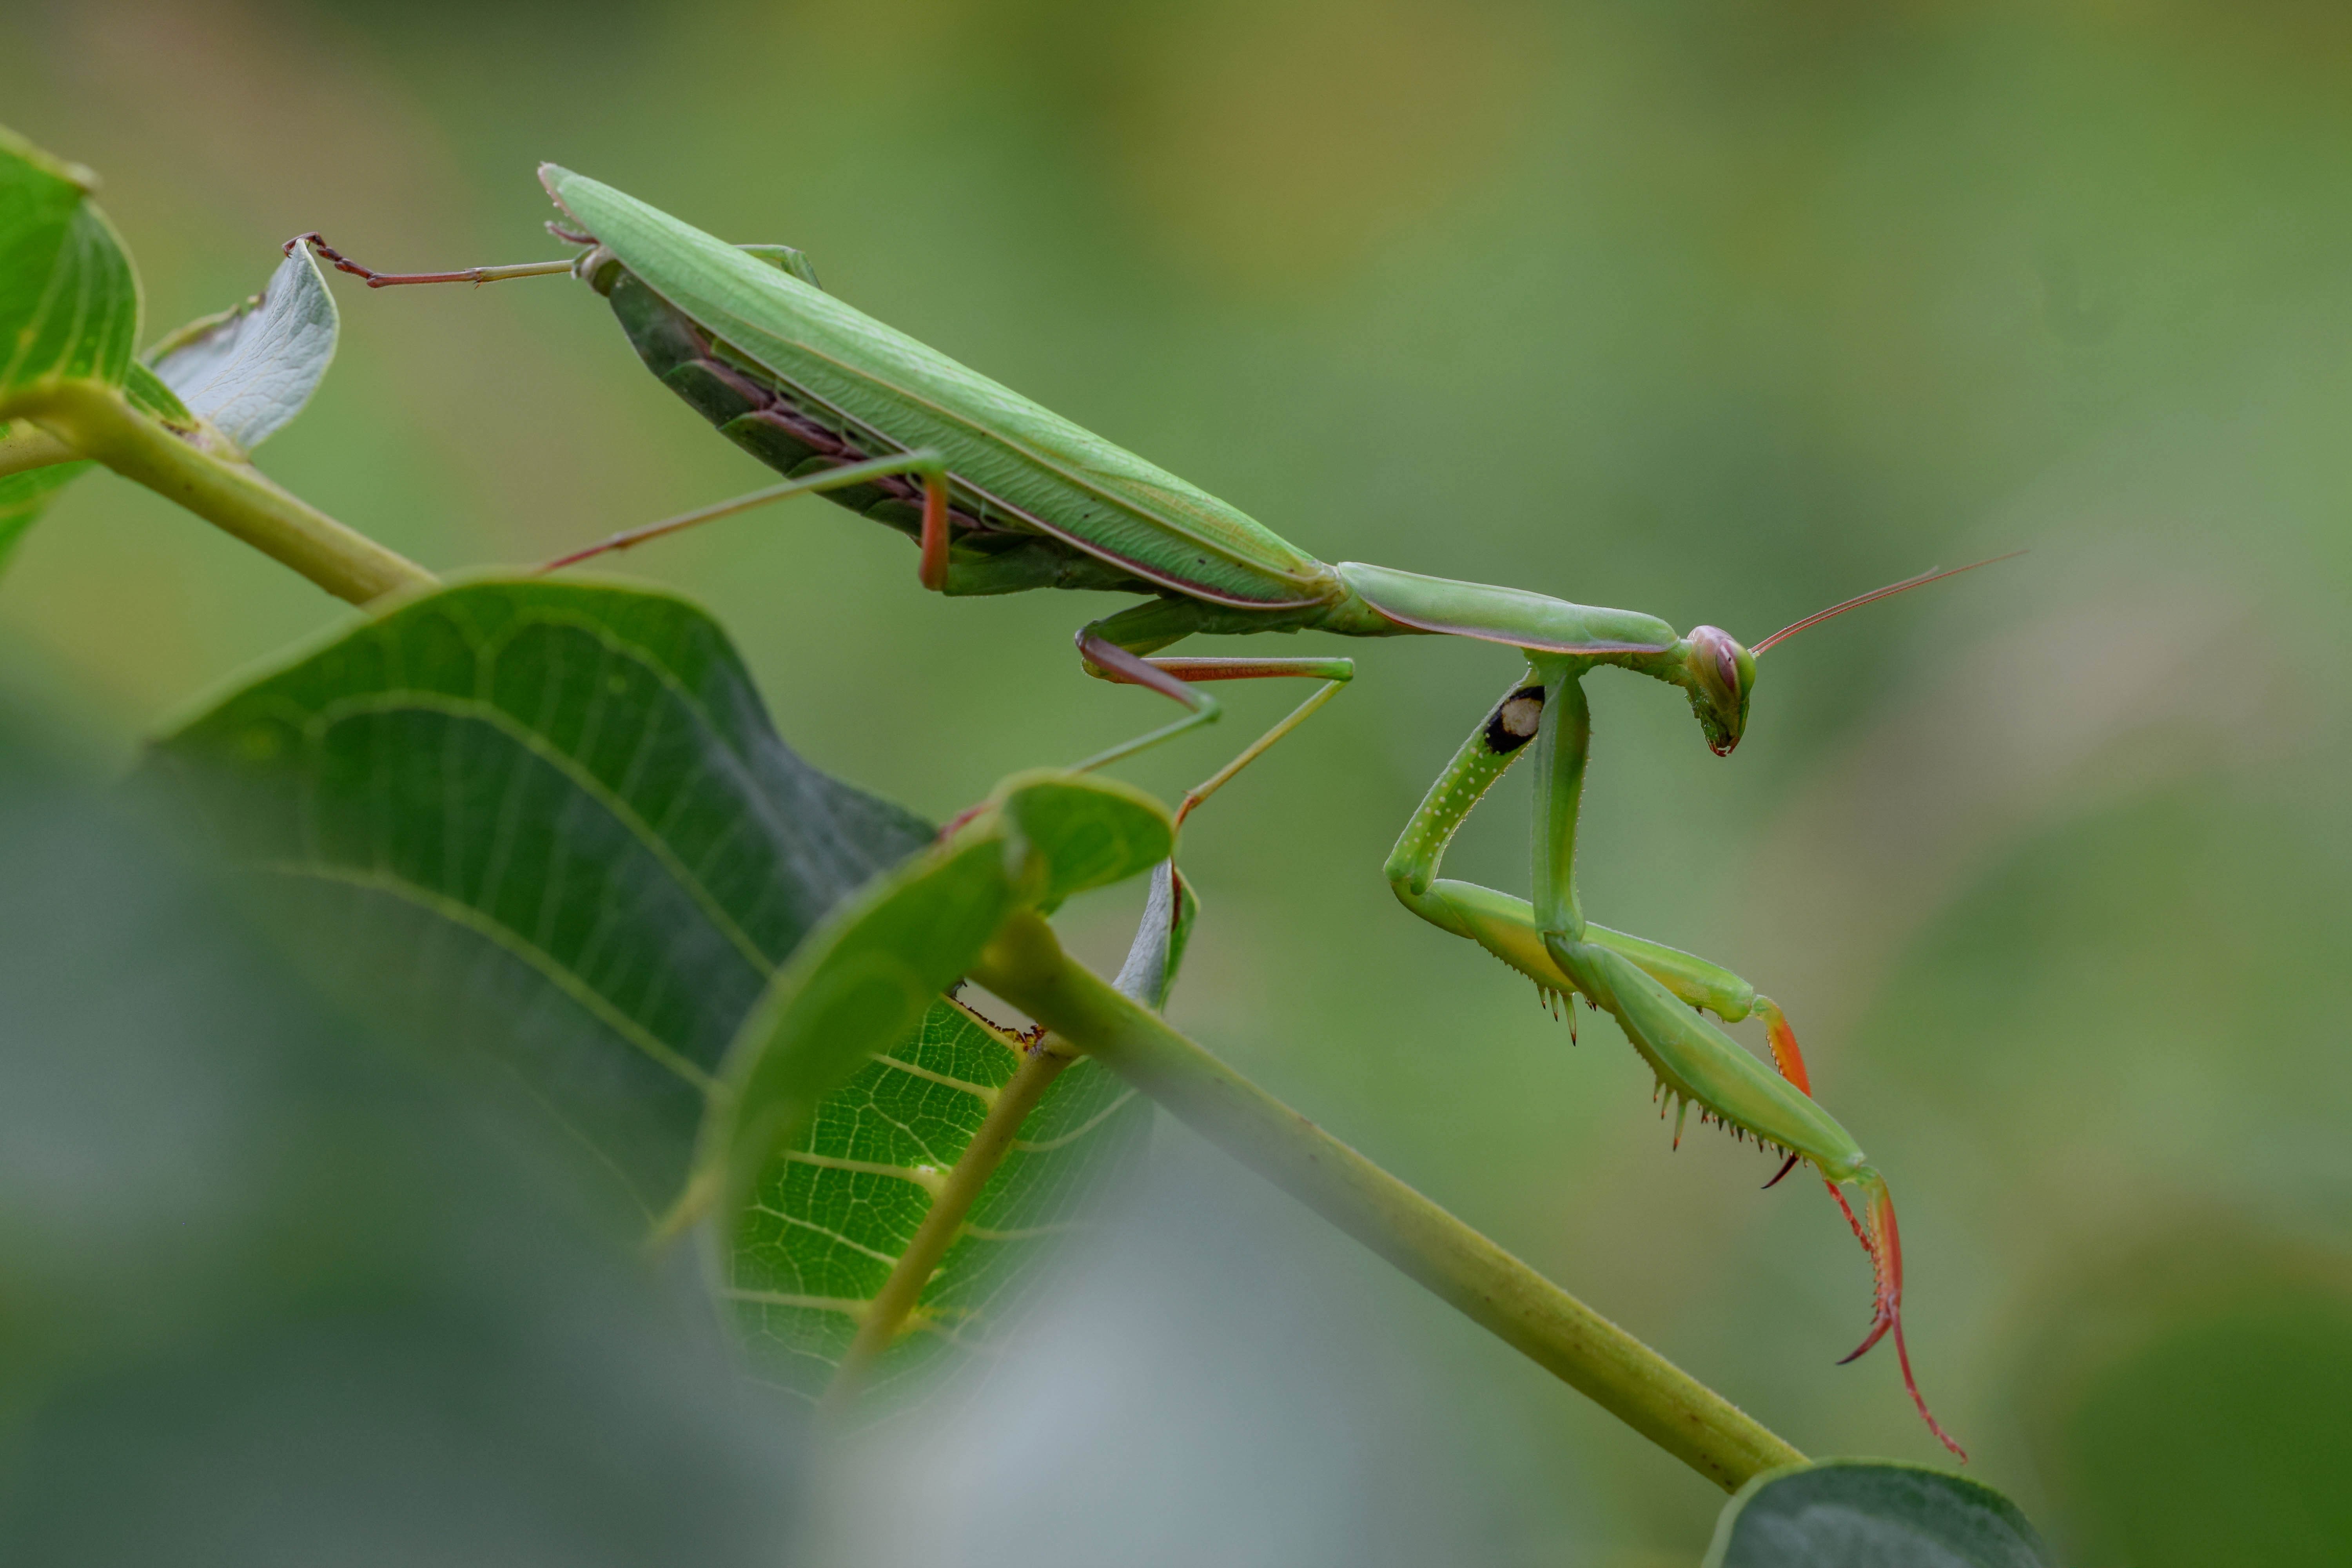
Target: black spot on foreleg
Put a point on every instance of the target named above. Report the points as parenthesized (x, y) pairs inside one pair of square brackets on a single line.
[(1514, 719)]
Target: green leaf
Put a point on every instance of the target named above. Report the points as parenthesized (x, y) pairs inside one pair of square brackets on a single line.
[(69, 299), (24, 496), (1872, 1513), (833, 1212), (1077, 831), (249, 370), (547, 820), (849, 1128), (275, 1294), (854, 990), (867, 978), (550, 821)]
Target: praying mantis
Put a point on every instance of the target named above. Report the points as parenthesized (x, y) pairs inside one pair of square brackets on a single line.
[(1002, 495)]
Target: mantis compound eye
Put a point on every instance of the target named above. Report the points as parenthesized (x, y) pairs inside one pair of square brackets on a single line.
[(1721, 673)]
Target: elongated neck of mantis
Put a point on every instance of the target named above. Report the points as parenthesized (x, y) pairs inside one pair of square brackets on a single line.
[(1560, 747)]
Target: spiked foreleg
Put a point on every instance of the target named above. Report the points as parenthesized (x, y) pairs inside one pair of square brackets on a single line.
[(1506, 926), (1693, 1058)]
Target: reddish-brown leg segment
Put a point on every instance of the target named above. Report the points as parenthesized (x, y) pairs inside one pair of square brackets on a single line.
[(932, 571), (1789, 1061), (375, 279), (1883, 1242), (1176, 678)]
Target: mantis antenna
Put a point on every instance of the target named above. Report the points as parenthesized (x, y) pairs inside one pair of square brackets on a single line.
[(1905, 586)]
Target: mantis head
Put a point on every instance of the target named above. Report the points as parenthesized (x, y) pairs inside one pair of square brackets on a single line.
[(1719, 673)]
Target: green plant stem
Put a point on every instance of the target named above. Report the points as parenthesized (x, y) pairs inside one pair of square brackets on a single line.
[(894, 1304), (96, 421), (25, 446), (1025, 965)]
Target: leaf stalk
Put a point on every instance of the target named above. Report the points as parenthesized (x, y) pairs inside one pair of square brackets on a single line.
[(97, 421), (25, 446), (1025, 965)]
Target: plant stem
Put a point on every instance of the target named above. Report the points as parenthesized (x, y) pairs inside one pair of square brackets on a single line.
[(1025, 965), (887, 1313), (97, 422), (25, 446)]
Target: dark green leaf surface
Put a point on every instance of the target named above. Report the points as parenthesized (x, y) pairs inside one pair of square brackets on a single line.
[(550, 820), (275, 1295), (1868, 1514), (830, 1218), (1082, 831), (828, 1180), (68, 299), (859, 987)]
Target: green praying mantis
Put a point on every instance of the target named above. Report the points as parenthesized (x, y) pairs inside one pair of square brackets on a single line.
[(1002, 495)]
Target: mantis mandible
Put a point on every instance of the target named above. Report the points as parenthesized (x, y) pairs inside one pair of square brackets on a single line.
[(1002, 495)]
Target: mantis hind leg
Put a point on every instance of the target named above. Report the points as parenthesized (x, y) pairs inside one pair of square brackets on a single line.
[(932, 468)]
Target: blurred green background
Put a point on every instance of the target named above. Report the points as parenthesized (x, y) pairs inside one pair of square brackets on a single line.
[(1717, 310)]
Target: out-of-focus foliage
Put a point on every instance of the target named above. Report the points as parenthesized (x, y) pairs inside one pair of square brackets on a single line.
[(1715, 312), (69, 307), (275, 1294), (2186, 1398), (548, 826), (551, 823), (66, 291), (1862, 1511)]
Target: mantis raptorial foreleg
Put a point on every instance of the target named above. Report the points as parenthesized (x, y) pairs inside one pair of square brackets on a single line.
[(1655, 993), (1506, 926)]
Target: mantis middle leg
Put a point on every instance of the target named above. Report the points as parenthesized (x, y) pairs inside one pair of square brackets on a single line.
[(1114, 649)]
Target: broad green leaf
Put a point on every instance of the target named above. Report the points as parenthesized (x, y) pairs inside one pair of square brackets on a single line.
[(865, 979), (1872, 1513), (1078, 831), (275, 1294), (69, 299), (829, 1175), (832, 1214), (857, 988), (250, 370), (548, 820)]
